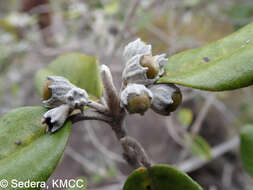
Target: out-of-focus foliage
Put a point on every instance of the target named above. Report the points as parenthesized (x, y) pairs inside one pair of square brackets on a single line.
[(199, 146), (14, 22), (241, 13), (246, 148), (185, 117)]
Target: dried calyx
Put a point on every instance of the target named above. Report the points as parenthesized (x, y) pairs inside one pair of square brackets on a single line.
[(141, 67), (58, 90), (166, 98), (63, 97), (136, 98)]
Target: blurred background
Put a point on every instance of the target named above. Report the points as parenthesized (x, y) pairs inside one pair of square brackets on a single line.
[(34, 32)]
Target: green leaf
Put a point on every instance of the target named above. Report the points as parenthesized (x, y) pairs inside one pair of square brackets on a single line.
[(199, 147), (246, 150), (162, 177), (226, 64), (185, 116), (81, 70), (26, 151)]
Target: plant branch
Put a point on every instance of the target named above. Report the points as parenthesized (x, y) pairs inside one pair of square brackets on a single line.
[(95, 141), (202, 114), (97, 106), (129, 16), (134, 152), (197, 124), (114, 115), (90, 115), (87, 164), (196, 162)]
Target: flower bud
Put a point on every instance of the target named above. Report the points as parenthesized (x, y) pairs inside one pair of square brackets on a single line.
[(166, 98), (136, 98), (152, 65), (58, 90)]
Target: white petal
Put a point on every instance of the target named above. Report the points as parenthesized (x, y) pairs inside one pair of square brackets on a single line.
[(56, 117), (136, 47)]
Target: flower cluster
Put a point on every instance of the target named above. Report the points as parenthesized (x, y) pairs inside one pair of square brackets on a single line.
[(139, 90), (139, 76)]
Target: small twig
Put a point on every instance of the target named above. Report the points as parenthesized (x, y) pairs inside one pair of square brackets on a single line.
[(130, 15), (95, 141), (173, 131), (202, 114), (97, 106), (222, 108), (89, 115), (87, 164), (227, 175), (197, 125), (137, 154), (196, 162)]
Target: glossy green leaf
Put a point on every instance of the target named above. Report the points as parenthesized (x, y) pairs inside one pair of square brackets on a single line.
[(162, 177), (26, 151), (246, 148), (81, 70), (226, 64)]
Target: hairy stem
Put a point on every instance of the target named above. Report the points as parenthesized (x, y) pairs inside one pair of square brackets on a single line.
[(132, 147), (90, 115), (113, 114), (97, 106)]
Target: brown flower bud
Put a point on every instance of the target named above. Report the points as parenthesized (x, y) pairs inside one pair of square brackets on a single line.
[(136, 98), (152, 65), (138, 103)]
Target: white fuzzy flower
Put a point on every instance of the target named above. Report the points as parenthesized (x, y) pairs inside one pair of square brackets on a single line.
[(56, 117), (64, 92)]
